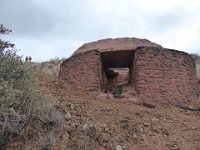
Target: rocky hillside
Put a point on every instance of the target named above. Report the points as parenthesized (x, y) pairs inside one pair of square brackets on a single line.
[(81, 121)]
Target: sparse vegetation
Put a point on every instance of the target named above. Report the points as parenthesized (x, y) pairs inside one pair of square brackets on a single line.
[(50, 67), (48, 141), (56, 61), (20, 98)]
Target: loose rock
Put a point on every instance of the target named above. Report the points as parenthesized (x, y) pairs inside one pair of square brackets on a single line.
[(68, 116), (118, 147)]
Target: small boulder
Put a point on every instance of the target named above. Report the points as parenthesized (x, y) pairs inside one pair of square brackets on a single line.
[(71, 106), (149, 105), (118, 147), (68, 116)]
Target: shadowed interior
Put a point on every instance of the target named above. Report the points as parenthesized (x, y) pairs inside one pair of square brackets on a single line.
[(116, 69), (117, 59)]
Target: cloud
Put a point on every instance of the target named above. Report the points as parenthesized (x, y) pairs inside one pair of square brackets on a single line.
[(25, 18), (49, 28)]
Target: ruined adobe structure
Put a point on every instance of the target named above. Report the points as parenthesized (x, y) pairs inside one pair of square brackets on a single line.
[(154, 73)]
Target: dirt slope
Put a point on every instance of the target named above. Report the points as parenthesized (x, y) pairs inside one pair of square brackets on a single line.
[(104, 124), (112, 124)]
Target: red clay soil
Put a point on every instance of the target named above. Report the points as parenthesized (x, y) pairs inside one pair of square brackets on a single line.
[(107, 124)]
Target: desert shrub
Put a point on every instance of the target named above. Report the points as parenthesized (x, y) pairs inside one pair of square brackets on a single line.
[(47, 141), (20, 98), (49, 129), (56, 61)]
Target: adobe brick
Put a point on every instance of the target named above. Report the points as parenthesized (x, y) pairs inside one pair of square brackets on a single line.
[(158, 74)]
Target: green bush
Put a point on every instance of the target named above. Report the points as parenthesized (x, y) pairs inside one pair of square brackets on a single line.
[(20, 98)]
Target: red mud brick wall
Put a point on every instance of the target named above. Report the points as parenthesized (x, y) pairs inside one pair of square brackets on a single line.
[(82, 70), (122, 76), (164, 75)]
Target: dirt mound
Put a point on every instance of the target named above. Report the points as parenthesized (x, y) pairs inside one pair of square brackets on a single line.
[(91, 123), (119, 124)]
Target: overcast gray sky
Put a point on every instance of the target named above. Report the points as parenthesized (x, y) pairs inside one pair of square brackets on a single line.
[(47, 29)]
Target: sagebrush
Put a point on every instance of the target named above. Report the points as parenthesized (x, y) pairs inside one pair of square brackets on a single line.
[(20, 98)]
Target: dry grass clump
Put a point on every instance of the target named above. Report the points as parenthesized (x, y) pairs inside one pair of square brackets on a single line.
[(47, 141), (51, 126)]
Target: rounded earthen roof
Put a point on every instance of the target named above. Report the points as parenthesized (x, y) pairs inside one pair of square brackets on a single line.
[(115, 44)]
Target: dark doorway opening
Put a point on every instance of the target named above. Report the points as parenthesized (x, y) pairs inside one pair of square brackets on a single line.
[(116, 70)]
